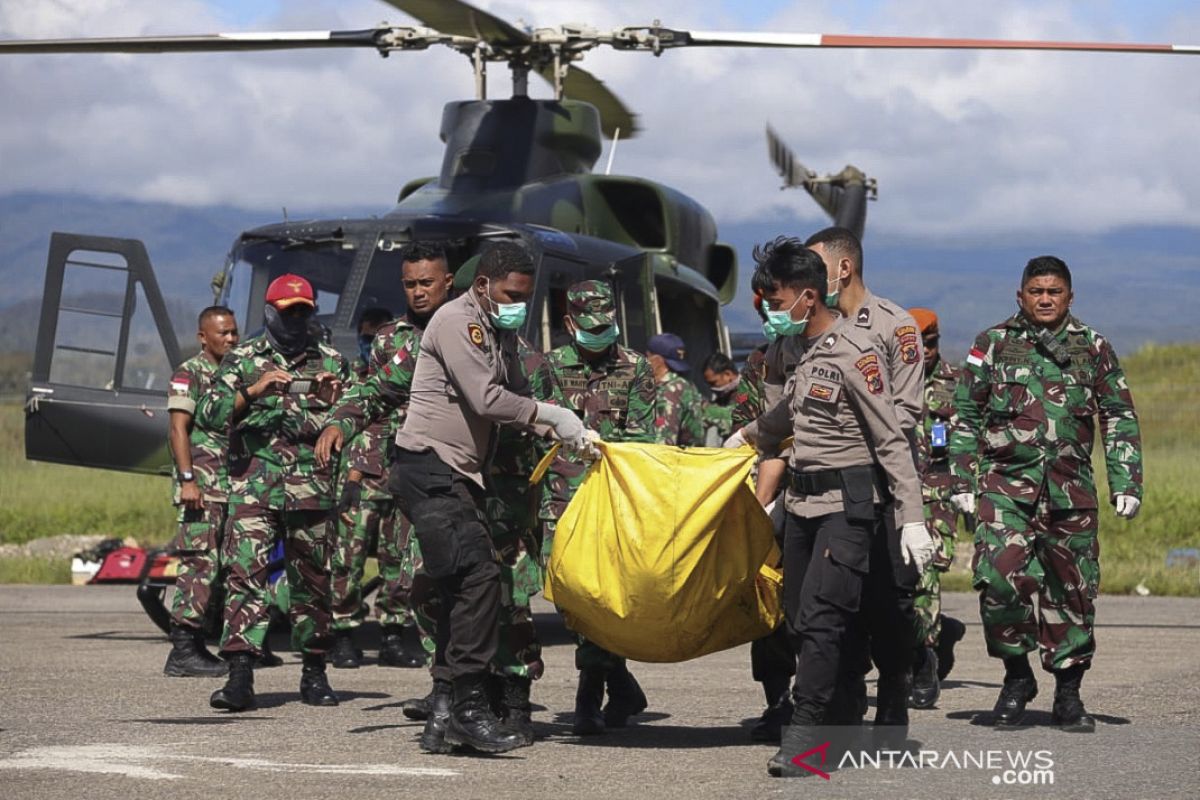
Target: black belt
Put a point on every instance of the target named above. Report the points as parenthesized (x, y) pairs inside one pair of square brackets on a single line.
[(814, 483)]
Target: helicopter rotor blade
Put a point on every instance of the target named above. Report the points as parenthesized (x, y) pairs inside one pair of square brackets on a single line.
[(664, 38), (579, 84), (462, 19), (207, 43)]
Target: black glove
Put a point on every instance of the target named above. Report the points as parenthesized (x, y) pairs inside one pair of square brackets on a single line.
[(351, 495)]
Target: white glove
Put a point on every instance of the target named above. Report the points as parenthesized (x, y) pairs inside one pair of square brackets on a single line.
[(566, 426), (916, 545), (589, 452), (738, 439), (1127, 506), (964, 502)]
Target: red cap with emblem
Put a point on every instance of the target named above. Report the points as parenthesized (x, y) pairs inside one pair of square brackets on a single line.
[(287, 290)]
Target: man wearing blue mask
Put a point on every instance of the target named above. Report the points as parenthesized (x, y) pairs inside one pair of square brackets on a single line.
[(611, 388)]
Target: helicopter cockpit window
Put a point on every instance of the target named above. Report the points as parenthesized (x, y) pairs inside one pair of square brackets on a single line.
[(325, 264)]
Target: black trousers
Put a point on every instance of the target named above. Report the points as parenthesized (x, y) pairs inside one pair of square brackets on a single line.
[(825, 562), (446, 510)]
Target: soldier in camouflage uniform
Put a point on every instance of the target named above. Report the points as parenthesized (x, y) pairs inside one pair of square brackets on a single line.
[(679, 408), (936, 633), (368, 521), (277, 389), (201, 493), (612, 390), (1021, 459), (722, 378)]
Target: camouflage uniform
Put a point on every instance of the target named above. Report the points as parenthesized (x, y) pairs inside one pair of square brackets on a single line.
[(1023, 445), (201, 531), (749, 400), (374, 526), (940, 514), (679, 412), (614, 397), (278, 491), (511, 510)]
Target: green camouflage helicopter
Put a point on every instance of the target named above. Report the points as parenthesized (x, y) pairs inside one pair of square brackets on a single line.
[(516, 168)]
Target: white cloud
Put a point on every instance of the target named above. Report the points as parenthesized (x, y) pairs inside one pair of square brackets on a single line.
[(962, 143)]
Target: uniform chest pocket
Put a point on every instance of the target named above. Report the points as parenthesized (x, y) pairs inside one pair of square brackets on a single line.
[(1010, 391)]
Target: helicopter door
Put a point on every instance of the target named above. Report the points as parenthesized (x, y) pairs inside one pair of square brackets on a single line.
[(633, 285), (105, 351)]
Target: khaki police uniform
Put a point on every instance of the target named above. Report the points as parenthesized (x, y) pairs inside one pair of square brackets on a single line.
[(462, 388), (849, 455)]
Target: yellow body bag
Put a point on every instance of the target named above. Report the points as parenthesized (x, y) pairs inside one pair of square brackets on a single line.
[(662, 554)]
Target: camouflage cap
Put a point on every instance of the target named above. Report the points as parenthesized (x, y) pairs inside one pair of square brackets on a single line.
[(590, 304)]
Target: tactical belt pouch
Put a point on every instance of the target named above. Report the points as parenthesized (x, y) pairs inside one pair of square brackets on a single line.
[(858, 493)]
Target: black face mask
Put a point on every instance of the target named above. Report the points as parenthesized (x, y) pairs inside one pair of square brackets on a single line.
[(287, 333)]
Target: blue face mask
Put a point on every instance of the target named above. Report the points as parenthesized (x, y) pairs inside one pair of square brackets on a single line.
[(507, 316), (597, 342), (783, 324), (364, 347)]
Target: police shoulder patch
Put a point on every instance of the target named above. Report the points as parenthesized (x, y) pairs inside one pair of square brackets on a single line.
[(475, 333), (864, 316), (868, 365), (829, 341), (906, 337)]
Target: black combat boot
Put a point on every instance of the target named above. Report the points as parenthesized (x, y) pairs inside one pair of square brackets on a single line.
[(801, 735), (395, 652), (344, 654), (202, 648), (314, 685), (891, 710), (1068, 712), (433, 738), (589, 720), (517, 712), (472, 723), (925, 684), (187, 661), (1019, 688), (952, 632), (238, 692), (418, 708), (625, 696), (769, 727)]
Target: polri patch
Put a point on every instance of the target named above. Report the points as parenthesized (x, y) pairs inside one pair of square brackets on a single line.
[(475, 332), (910, 352), (868, 365)]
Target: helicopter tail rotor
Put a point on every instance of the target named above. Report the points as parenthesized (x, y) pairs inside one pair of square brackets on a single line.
[(843, 195)]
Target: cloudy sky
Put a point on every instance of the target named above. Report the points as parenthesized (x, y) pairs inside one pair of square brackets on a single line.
[(962, 144)]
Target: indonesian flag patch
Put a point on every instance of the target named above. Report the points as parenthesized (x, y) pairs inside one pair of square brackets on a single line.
[(975, 357), (179, 386)]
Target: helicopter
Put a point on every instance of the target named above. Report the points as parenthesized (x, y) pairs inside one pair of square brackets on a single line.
[(517, 168)]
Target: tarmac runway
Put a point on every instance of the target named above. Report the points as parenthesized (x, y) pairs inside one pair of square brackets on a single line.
[(87, 713)]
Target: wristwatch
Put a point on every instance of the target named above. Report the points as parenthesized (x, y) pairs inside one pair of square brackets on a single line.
[(187, 476)]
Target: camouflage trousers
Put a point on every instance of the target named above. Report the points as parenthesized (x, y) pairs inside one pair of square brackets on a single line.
[(424, 603), (942, 519), (198, 546), (588, 654), (252, 531), (370, 528), (1024, 550), (519, 653)]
